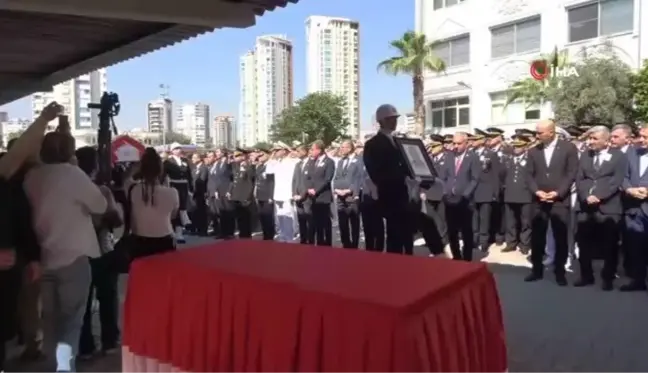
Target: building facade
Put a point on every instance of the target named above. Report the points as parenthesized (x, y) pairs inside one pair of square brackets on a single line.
[(266, 74), (159, 116), (224, 131), (489, 44), (75, 95), (333, 62), (193, 122)]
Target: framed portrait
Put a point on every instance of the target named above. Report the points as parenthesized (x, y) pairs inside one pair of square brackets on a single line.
[(418, 160)]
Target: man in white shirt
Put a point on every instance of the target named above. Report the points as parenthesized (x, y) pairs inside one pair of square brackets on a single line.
[(283, 168), (59, 189)]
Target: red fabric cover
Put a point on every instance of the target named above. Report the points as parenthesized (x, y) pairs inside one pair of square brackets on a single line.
[(268, 306)]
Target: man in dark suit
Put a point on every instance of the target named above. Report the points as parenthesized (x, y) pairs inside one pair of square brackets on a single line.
[(487, 190), (621, 138), (199, 215), (241, 192), (318, 188), (303, 204), (494, 141), (461, 178), (388, 172), (346, 190), (264, 192), (598, 207), (517, 198), (552, 168), (218, 185), (431, 220), (635, 186)]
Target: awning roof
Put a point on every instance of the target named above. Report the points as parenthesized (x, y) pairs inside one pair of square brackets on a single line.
[(46, 42)]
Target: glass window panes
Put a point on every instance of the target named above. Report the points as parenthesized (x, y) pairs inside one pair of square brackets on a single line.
[(442, 51), (583, 22), (527, 35), (503, 41), (516, 38), (616, 16), (460, 51), (450, 112), (438, 4), (532, 114), (451, 2)]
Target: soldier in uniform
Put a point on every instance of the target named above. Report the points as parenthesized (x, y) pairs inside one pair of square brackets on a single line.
[(495, 138), (447, 143), (218, 185), (487, 191), (517, 198), (178, 171), (241, 192), (264, 193), (432, 217)]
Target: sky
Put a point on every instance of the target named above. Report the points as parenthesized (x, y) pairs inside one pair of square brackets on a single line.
[(206, 69)]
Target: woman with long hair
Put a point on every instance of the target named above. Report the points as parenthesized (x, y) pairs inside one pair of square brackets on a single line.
[(151, 206)]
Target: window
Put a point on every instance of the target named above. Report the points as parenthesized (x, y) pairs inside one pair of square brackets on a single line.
[(450, 113), (516, 38), (438, 4), (516, 112), (605, 17), (454, 52)]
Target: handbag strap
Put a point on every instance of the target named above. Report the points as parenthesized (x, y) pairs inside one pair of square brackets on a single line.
[(128, 210)]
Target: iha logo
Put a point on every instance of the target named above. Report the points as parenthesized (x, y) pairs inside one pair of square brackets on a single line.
[(541, 70)]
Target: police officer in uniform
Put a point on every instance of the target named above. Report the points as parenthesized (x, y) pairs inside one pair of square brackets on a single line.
[(264, 192), (494, 141), (242, 192), (432, 222), (517, 198), (487, 191), (178, 171)]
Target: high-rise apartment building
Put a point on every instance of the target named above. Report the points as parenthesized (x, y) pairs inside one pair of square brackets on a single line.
[(193, 122), (4, 116), (75, 95), (224, 131), (333, 62), (266, 87), (159, 115)]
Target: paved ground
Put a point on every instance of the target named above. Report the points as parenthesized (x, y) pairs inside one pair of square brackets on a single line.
[(548, 328)]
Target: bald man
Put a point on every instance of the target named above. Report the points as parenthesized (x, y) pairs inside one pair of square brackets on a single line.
[(552, 167)]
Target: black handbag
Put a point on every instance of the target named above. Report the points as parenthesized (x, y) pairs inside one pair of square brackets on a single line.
[(120, 257)]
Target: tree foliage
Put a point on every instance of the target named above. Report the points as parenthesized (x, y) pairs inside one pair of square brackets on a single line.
[(318, 116), (262, 145), (640, 92), (601, 92), (533, 91), (415, 56)]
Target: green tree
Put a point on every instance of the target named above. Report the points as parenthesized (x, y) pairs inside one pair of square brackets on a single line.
[(600, 92), (415, 56), (533, 91), (640, 92), (318, 116)]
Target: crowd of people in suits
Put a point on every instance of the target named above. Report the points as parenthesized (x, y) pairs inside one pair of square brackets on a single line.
[(560, 194)]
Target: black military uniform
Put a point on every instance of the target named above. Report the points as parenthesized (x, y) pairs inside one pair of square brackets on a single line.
[(264, 192), (218, 185), (432, 222), (498, 223), (178, 171), (517, 199), (242, 192), (304, 205), (487, 191), (199, 215)]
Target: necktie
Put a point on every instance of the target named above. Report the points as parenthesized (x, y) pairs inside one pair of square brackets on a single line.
[(345, 164), (597, 163), (457, 164)]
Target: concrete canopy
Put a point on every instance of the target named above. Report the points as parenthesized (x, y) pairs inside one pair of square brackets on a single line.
[(46, 42)]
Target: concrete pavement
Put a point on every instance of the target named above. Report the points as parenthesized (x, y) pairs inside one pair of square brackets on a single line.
[(548, 328)]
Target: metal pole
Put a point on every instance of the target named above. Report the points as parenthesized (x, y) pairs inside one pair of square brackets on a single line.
[(165, 96)]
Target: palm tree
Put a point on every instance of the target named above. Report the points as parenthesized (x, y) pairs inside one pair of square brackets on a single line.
[(416, 55), (534, 92)]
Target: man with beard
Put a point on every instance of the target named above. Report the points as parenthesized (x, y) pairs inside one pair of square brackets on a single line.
[(177, 169)]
